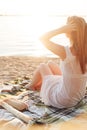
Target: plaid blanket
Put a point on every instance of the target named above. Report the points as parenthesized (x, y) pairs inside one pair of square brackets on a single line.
[(37, 109), (47, 114)]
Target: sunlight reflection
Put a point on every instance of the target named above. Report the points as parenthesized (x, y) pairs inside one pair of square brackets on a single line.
[(24, 21)]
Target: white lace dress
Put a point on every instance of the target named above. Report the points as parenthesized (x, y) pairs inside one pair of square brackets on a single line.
[(64, 90)]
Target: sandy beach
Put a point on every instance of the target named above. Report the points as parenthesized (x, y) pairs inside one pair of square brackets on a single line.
[(12, 67)]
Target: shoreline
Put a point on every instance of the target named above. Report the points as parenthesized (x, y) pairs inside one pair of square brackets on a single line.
[(13, 67)]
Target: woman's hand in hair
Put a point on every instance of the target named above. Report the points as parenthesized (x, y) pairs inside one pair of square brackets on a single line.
[(68, 28)]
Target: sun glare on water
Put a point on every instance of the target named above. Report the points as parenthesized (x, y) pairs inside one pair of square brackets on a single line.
[(40, 16)]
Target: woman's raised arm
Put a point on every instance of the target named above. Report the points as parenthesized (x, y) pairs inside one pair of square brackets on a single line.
[(52, 46)]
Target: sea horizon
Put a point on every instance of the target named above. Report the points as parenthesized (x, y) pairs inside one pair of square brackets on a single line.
[(19, 35)]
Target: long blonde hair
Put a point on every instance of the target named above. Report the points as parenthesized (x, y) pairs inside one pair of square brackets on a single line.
[(79, 40)]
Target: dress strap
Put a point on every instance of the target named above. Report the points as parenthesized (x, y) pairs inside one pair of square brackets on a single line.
[(68, 51)]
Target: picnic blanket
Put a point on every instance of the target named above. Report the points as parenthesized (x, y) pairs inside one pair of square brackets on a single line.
[(41, 113)]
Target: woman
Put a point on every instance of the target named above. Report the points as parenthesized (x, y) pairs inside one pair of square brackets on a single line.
[(63, 87)]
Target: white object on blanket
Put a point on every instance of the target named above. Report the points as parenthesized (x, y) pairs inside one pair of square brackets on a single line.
[(17, 113), (9, 88)]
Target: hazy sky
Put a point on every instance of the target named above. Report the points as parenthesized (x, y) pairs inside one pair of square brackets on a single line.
[(43, 7)]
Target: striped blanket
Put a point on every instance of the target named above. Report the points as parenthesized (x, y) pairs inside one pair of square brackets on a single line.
[(48, 114), (43, 114)]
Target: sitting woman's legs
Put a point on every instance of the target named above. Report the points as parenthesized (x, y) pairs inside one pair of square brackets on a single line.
[(43, 70), (54, 68), (39, 74)]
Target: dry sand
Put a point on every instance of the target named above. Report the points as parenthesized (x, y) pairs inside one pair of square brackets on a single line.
[(12, 67)]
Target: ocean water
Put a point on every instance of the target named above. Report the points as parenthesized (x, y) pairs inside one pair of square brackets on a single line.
[(19, 35)]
